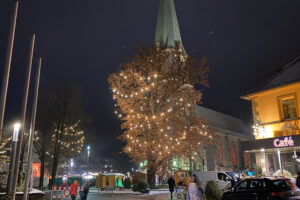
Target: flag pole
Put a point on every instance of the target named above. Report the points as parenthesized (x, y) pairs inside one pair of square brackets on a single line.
[(31, 132), (10, 46), (23, 118)]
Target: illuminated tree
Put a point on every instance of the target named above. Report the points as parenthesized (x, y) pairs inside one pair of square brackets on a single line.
[(59, 125), (155, 95), (69, 143)]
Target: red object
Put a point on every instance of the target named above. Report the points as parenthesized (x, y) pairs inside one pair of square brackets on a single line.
[(277, 194), (246, 159), (74, 189), (67, 192), (36, 168), (220, 152), (234, 156)]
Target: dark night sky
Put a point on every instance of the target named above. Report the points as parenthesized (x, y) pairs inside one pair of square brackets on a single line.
[(85, 40)]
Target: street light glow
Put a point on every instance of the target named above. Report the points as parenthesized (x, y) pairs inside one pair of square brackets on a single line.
[(17, 126), (88, 147), (16, 131)]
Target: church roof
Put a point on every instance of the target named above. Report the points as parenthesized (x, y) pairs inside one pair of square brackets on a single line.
[(288, 74), (167, 30), (224, 122)]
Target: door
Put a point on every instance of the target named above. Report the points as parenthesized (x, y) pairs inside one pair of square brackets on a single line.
[(223, 181), (254, 189)]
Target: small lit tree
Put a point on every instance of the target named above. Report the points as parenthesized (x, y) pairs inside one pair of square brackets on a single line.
[(155, 99)]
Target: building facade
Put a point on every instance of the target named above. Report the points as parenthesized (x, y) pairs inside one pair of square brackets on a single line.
[(226, 152), (275, 107)]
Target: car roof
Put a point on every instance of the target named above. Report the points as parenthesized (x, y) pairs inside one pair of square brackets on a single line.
[(267, 178)]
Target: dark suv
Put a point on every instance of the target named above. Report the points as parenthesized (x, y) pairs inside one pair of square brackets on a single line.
[(263, 189)]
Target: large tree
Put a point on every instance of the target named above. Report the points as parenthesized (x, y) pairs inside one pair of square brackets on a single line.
[(155, 95)]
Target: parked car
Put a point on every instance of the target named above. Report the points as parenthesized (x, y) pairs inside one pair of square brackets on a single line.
[(233, 175), (263, 189), (223, 180)]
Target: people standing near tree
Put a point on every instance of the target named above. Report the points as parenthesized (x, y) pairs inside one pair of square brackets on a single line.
[(171, 183), (74, 190), (84, 190)]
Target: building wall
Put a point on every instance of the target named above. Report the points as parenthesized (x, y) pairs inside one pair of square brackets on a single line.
[(224, 162), (267, 108)]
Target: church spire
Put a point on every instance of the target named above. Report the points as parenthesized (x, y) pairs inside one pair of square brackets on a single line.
[(167, 30)]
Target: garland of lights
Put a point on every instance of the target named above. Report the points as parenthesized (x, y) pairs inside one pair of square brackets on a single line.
[(155, 99), (72, 141)]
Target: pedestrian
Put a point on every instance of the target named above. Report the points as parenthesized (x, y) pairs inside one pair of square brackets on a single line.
[(74, 190), (179, 190), (196, 180), (298, 180), (171, 184), (84, 190)]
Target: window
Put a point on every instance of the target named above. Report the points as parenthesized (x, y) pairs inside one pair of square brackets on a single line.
[(222, 177), (257, 185), (242, 186), (282, 185), (288, 107)]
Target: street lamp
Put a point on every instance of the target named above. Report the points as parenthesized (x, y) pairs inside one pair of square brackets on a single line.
[(88, 159), (13, 155), (72, 164)]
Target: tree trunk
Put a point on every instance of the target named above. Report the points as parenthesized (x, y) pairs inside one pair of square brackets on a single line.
[(41, 185), (151, 172)]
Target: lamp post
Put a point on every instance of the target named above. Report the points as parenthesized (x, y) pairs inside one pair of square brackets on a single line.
[(13, 156), (72, 164), (88, 158)]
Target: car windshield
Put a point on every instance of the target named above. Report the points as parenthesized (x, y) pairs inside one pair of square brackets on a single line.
[(282, 185), (232, 175)]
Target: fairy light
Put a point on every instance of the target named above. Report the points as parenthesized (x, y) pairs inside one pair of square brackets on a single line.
[(149, 112)]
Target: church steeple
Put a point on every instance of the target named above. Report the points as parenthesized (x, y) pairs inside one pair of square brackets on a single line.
[(167, 30)]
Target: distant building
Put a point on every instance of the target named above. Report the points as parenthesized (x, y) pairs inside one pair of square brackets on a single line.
[(275, 106)]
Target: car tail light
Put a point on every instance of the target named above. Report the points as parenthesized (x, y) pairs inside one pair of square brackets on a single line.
[(277, 194)]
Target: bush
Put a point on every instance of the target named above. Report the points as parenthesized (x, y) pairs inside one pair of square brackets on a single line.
[(135, 187), (127, 183), (212, 191), (143, 187)]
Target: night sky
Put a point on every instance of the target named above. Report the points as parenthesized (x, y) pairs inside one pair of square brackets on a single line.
[(85, 40)]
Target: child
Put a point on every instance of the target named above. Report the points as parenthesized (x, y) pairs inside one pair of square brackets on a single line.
[(179, 190)]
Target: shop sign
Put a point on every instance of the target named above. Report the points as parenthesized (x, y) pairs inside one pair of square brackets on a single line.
[(285, 142)]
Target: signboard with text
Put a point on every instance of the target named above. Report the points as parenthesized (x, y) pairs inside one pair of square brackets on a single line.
[(285, 142)]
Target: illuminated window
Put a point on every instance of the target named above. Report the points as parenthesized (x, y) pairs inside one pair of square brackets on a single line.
[(288, 107)]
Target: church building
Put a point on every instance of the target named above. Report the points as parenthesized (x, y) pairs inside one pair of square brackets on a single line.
[(226, 153)]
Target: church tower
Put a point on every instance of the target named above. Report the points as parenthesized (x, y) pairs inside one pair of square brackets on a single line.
[(167, 30)]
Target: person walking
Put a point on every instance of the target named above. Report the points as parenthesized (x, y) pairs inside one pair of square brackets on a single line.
[(74, 190), (171, 184), (84, 190)]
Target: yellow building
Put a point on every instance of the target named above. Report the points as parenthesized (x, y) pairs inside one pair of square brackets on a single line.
[(276, 115)]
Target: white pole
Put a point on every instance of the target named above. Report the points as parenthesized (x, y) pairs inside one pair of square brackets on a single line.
[(267, 164), (31, 132), (6, 72), (279, 160), (23, 116)]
